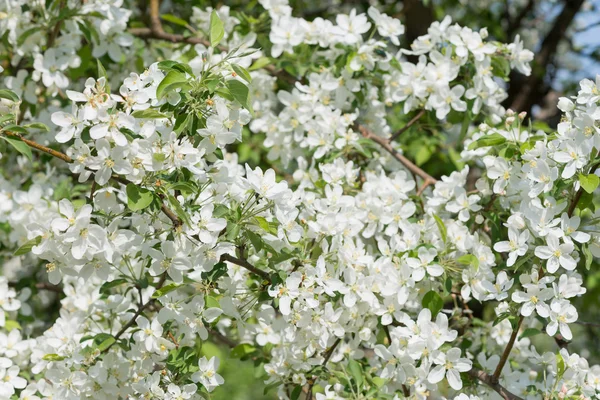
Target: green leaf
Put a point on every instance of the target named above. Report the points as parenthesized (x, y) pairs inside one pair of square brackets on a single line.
[(101, 69), (52, 357), (24, 35), (11, 324), (529, 332), (7, 117), (216, 29), (211, 302), (27, 246), (356, 372), (494, 139), (500, 66), (15, 129), (164, 290), (37, 125), (175, 20), (560, 366), (106, 286), (106, 343), (441, 227), (138, 198), (178, 209), (422, 155), (589, 183), (242, 72), (260, 63), (242, 350), (20, 146), (148, 114), (240, 92), (270, 387), (469, 259), (433, 301), (296, 392), (9, 95), (255, 240), (173, 80)]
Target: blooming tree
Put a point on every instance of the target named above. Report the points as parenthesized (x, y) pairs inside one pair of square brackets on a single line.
[(243, 182)]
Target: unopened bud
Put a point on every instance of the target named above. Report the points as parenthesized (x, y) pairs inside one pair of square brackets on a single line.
[(510, 112), (483, 127), (510, 120), (483, 33), (522, 115), (479, 219)]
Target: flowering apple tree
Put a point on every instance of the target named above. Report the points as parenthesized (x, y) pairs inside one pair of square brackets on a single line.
[(238, 178)]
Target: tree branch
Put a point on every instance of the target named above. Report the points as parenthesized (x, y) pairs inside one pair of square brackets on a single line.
[(523, 97), (408, 125), (247, 265), (488, 381), (427, 179), (496, 377), (139, 311), (57, 154), (326, 356), (515, 24)]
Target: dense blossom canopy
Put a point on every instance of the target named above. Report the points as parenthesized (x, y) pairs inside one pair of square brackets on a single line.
[(341, 269)]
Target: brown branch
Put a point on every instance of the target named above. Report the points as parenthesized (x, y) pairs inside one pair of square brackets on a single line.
[(515, 24), (139, 311), (524, 95), (407, 126), (488, 380), (57, 154), (39, 147), (427, 179), (579, 193), (156, 31), (222, 338), (326, 356), (496, 377), (245, 264)]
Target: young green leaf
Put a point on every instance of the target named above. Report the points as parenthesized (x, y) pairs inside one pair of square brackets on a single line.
[(589, 183), (240, 92), (138, 198), (216, 29), (242, 72), (173, 80), (27, 246), (433, 301), (9, 95), (20, 146)]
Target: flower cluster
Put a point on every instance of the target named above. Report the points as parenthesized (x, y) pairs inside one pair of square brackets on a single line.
[(333, 262)]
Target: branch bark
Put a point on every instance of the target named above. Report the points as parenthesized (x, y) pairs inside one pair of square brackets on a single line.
[(139, 311), (327, 355), (504, 358), (523, 94), (427, 179), (247, 265), (408, 125), (62, 156), (495, 386)]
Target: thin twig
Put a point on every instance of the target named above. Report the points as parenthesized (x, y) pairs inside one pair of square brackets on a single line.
[(62, 156), (507, 350), (247, 265), (139, 311), (326, 356), (427, 179), (488, 380), (407, 126)]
